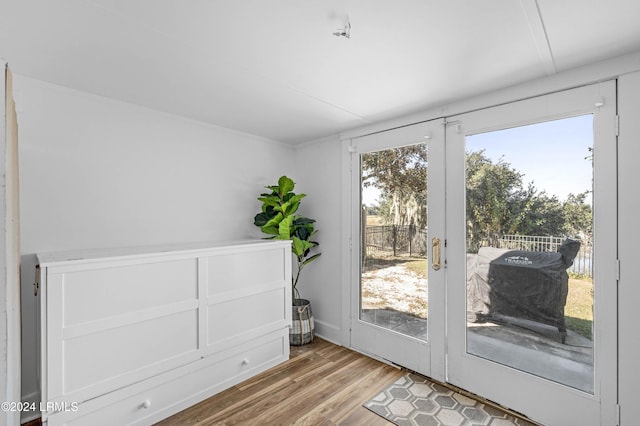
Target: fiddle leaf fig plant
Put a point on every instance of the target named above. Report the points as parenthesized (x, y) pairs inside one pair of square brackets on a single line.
[(278, 219)]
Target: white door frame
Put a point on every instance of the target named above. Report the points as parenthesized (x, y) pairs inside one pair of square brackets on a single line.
[(10, 261), (427, 357), (599, 99), (471, 372)]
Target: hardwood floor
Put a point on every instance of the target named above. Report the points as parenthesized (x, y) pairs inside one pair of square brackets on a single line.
[(321, 384)]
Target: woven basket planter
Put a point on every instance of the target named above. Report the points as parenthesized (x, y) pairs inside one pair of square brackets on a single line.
[(302, 326)]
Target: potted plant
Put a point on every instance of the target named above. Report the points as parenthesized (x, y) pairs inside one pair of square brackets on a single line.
[(279, 220)]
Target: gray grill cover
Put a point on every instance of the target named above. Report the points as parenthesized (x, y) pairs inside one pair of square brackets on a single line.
[(521, 284)]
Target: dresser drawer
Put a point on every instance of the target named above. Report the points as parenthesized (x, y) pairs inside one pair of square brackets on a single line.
[(149, 401)]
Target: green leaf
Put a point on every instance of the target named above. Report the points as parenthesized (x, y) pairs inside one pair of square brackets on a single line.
[(300, 247), (301, 220), (294, 200), (297, 246), (287, 208), (311, 259), (263, 218), (270, 201), (285, 184), (268, 209), (284, 228), (302, 233), (294, 207), (275, 220), (270, 229)]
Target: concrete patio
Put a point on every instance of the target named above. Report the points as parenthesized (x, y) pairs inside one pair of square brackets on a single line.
[(526, 345)]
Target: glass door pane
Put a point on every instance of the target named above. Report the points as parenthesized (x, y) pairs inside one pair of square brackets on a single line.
[(529, 249), (393, 229), (531, 255), (396, 314)]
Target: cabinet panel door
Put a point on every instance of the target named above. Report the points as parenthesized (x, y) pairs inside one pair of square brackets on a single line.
[(119, 322), (243, 270), (238, 318), (122, 351), (100, 293)]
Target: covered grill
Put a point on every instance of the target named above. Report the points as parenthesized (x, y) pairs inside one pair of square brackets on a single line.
[(520, 284)]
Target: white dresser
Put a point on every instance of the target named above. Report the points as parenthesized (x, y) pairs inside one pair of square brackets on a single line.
[(135, 335)]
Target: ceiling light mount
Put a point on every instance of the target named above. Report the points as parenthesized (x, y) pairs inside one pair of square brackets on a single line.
[(344, 32)]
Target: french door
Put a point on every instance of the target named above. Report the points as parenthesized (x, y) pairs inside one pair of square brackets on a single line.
[(515, 231), (398, 314)]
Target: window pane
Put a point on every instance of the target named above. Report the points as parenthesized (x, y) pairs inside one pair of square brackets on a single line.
[(529, 249), (393, 290)]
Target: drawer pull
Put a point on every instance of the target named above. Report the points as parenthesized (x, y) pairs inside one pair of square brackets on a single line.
[(245, 362), (145, 404)]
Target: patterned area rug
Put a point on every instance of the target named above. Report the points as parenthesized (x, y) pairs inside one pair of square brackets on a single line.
[(415, 400)]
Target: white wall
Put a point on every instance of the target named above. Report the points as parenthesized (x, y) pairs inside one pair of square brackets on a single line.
[(101, 173), (318, 175), (628, 248)]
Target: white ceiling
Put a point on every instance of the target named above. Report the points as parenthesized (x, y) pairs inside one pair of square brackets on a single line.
[(273, 68)]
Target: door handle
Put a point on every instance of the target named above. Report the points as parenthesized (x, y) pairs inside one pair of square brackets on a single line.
[(435, 253)]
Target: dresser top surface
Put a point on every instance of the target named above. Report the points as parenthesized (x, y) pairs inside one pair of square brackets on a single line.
[(88, 255)]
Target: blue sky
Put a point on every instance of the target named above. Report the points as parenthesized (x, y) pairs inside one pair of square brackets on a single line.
[(551, 154)]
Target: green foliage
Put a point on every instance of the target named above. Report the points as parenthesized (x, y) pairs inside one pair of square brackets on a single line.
[(401, 175), (278, 220), (495, 198), (577, 215), (498, 203)]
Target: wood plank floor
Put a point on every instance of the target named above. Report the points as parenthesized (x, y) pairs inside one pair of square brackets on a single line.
[(321, 384)]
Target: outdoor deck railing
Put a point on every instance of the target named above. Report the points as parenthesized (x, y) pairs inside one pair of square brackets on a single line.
[(403, 240), (581, 264)]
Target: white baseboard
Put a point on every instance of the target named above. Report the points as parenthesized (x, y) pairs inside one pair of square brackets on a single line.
[(328, 332)]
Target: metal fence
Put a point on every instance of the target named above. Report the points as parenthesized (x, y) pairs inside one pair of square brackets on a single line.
[(394, 240), (581, 264), (408, 240)]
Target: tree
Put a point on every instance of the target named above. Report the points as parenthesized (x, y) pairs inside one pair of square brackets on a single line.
[(577, 216), (497, 200), (401, 176), (543, 216), (495, 197), (499, 204)]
